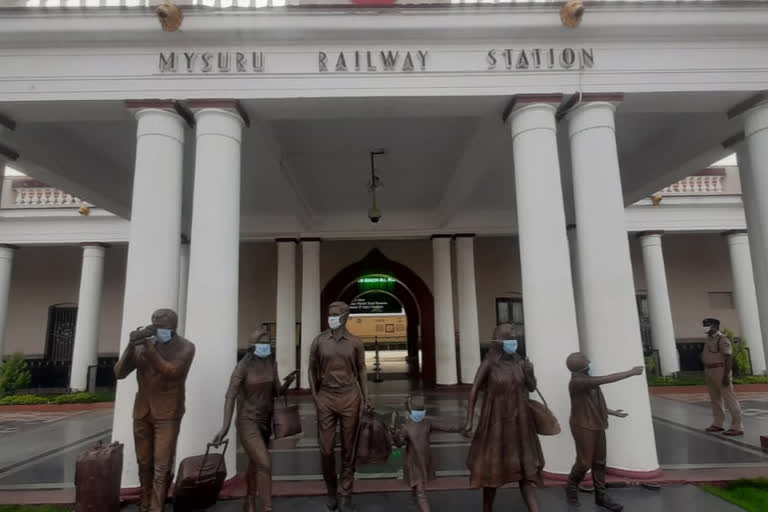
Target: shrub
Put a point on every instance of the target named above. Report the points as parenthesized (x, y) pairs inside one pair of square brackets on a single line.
[(23, 400), (83, 398), (741, 362), (14, 374)]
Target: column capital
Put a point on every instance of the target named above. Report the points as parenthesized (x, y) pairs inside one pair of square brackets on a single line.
[(170, 106), (95, 244), (757, 119), (656, 232), (590, 115), (734, 232), (439, 236), (286, 240), (520, 100), (234, 107), (464, 235), (533, 116), (748, 104), (10, 246)]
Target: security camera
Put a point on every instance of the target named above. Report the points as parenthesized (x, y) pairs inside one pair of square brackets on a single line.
[(374, 214)]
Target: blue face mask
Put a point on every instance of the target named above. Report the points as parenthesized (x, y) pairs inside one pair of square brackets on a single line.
[(262, 349), (589, 368), (417, 416), (164, 335), (510, 346)]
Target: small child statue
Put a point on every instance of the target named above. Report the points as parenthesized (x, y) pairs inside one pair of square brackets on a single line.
[(414, 435), (589, 420)]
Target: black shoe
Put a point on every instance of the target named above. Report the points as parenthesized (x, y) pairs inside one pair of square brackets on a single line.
[(332, 506), (608, 504), (572, 495), (346, 505)]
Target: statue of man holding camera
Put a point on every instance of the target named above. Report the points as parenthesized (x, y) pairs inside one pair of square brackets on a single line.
[(161, 359)]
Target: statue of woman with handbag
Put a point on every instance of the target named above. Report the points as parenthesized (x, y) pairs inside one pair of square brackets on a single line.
[(505, 447), (254, 386)]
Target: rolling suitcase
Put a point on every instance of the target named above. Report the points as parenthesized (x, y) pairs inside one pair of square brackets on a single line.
[(199, 480), (97, 478)]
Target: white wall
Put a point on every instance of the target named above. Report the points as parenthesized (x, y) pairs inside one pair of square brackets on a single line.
[(42, 276)]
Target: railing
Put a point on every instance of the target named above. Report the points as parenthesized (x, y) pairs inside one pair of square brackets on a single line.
[(44, 197), (696, 185)]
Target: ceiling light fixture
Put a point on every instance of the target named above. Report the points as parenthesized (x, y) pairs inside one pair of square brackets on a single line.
[(374, 214)]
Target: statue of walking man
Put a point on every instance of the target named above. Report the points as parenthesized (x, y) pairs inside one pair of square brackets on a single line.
[(337, 377), (161, 359)]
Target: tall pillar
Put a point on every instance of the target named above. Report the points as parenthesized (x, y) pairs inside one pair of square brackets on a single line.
[(469, 330), (551, 333), (662, 326), (6, 264), (573, 253), (212, 292), (86, 350), (310, 301), (611, 324), (151, 275), (753, 167), (285, 345), (445, 334), (183, 284), (745, 297)]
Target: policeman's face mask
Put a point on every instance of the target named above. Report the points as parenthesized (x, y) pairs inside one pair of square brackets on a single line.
[(708, 328), (418, 415), (335, 321), (163, 335), (262, 350)]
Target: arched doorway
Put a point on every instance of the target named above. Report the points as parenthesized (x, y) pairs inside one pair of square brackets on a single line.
[(412, 293)]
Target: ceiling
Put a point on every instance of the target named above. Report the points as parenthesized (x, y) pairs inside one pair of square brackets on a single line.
[(448, 161)]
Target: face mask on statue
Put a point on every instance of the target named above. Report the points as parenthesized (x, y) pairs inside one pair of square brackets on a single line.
[(164, 335), (334, 322), (510, 346), (417, 416), (707, 328), (262, 350)]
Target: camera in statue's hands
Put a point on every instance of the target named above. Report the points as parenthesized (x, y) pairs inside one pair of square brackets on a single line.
[(141, 334)]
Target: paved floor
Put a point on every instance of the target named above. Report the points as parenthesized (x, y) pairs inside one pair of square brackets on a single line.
[(39, 450), (668, 499)]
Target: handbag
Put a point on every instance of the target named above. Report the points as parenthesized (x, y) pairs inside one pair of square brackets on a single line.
[(286, 421), (374, 442), (546, 423)]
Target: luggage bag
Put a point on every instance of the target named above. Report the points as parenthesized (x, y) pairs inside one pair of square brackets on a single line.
[(199, 480), (97, 478)]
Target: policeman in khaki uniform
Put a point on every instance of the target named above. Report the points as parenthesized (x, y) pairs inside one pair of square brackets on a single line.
[(718, 363)]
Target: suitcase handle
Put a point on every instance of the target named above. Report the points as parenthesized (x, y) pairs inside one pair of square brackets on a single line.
[(208, 447)]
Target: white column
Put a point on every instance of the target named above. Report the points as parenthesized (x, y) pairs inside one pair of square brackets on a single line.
[(611, 324), (660, 310), (151, 276), (212, 292), (285, 345), (573, 253), (551, 333), (86, 350), (753, 166), (745, 297), (310, 302), (445, 334), (6, 264), (183, 284), (469, 330)]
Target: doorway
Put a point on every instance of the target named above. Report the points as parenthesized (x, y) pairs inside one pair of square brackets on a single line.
[(378, 282)]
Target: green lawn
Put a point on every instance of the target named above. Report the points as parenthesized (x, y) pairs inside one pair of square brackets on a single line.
[(37, 508), (751, 495)]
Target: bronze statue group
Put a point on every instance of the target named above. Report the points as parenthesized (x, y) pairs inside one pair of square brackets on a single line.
[(505, 446)]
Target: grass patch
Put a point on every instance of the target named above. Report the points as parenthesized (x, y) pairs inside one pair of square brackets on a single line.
[(32, 508), (751, 495), (699, 381)]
